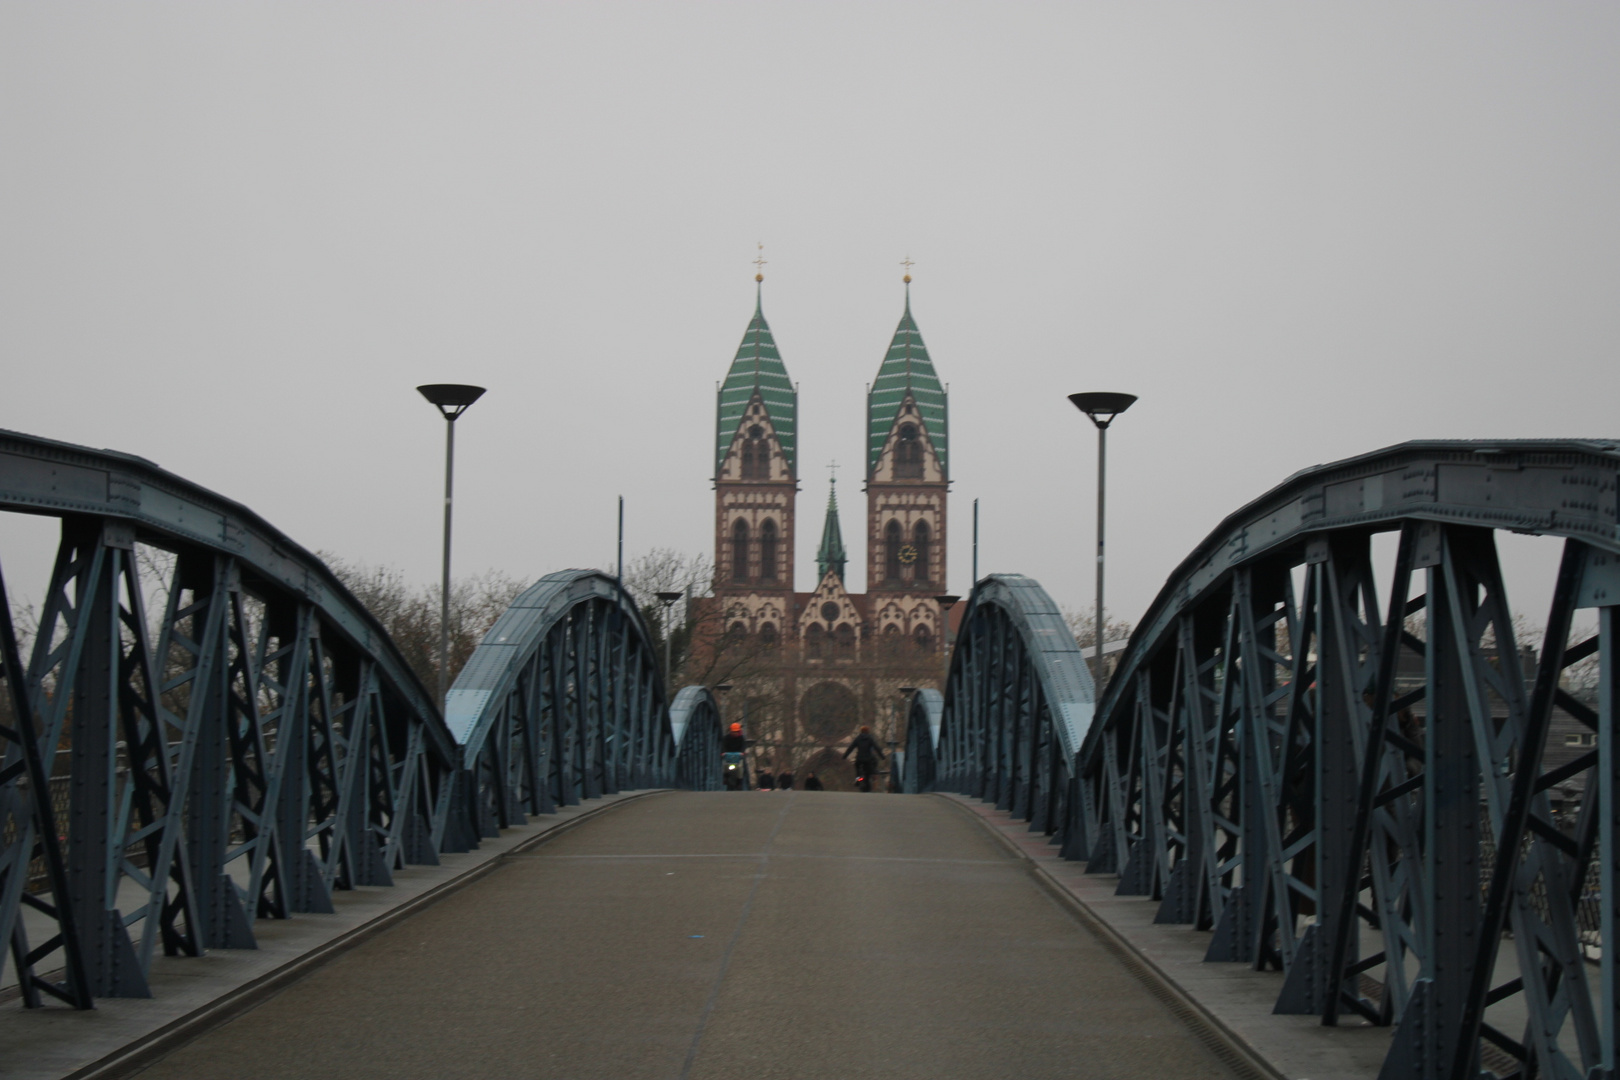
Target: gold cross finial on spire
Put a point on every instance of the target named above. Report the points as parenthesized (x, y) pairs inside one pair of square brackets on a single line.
[(832, 470), (759, 262), (908, 264)]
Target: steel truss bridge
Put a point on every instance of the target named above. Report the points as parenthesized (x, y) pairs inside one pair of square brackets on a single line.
[(1340, 772), (1333, 761), (242, 738)]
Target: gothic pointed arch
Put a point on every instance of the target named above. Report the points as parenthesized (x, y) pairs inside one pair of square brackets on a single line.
[(908, 453), (739, 550), (893, 541), (767, 550)]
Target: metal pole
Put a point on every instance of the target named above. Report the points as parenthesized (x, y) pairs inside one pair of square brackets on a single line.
[(1102, 492), (621, 542), (451, 399), (444, 586), (975, 542), (669, 647)]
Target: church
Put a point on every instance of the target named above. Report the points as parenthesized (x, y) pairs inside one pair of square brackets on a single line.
[(814, 666)]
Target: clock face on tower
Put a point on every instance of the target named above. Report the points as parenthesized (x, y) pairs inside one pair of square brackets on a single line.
[(908, 554)]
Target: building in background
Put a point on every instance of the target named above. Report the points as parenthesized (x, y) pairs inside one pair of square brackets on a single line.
[(812, 667)]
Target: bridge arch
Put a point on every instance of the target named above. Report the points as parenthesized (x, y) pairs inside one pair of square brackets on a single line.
[(1018, 701), (562, 701), (919, 765), (1346, 772), (695, 726), (224, 711)]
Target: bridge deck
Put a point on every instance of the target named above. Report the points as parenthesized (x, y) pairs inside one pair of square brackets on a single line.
[(716, 935)]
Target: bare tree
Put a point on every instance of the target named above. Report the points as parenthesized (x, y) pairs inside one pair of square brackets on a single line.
[(668, 571), (410, 614), (1083, 625)]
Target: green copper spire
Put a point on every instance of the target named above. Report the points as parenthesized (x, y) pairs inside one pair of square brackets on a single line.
[(906, 369), (830, 556), (758, 366)]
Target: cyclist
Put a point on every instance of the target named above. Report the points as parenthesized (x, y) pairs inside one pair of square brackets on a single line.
[(732, 745), (867, 756)]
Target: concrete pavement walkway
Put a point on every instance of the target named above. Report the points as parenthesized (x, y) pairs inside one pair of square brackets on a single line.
[(689, 935)]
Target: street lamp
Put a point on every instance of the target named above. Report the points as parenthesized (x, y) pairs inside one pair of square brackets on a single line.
[(946, 602), (452, 400), (1102, 408), (667, 599)]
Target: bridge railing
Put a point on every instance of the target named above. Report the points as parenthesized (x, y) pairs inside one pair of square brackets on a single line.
[(239, 735), (919, 761), (1018, 701), (562, 701), (211, 729), (1349, 776)]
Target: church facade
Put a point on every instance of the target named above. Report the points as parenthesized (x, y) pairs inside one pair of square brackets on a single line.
[(818, 664)]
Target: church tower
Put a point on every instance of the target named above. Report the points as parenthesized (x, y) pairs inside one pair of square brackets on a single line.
[(755, 483), (907, 482)]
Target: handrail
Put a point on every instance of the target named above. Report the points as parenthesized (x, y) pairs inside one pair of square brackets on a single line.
[(1474, 482), (50, 477)]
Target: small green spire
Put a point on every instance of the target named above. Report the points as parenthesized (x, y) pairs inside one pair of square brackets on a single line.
[(831, 555)]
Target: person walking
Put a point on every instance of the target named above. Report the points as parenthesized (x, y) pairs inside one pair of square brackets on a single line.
[(867, 755), (811, 783)]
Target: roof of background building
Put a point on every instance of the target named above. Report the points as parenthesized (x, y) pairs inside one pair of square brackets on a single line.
[(758, 366), (906, 369)]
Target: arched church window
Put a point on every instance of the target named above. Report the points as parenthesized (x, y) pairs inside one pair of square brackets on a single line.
[(919, 540), (893, 541), (739, 551), (737, 632), (767, 635), (844, 636), (756, 455), (908, 454), (925, 640), (814, 638), (767, 551)]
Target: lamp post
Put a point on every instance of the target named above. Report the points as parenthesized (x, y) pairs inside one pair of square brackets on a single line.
[(452, 400), (946, 602), (668, 599), (1101, 407)]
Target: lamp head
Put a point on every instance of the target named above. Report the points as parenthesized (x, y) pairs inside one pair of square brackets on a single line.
[(1102, 406), (667, 598), (947, 600), (908, 689), (452, 399)]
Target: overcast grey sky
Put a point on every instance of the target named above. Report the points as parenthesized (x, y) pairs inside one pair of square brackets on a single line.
[(234, 237)]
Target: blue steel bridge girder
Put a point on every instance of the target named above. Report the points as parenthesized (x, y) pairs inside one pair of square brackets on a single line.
[(255, 742), (255, 726), (1355, 792), (1018, 700), (694, 721), (561, 702)]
